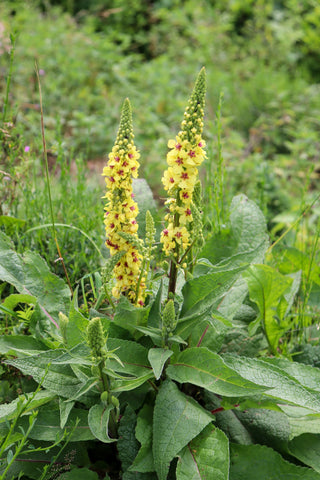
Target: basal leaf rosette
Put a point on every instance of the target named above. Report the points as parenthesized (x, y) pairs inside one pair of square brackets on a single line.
[(121, 211), (186, 154)]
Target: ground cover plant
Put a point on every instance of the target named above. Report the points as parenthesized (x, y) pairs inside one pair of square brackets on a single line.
[(178, 338), (147, 378)]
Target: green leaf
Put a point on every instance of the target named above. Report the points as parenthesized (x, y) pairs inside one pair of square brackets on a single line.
[(60, 379), (207, 369), (245, 241), (303, 424), (127, 444), (131, 384), (128, 316), (98, 420), (157, 358), (47, 425), (207, 291), (233, 299), (177, 420), (30, 275), (305, 374), (76, 327), (133, 356), (266, 286), (144, 198), (15, 298), (20, 345), (266, 427), (144, 460), (208, 332), (154, 318), (8, 411), (282, 386), (293, 260), (207, 456), (65, 408), (252, 462), (306, 448), (154, 333), (80, 474)]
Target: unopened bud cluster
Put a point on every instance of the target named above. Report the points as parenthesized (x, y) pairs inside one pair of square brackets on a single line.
[(96, 339)]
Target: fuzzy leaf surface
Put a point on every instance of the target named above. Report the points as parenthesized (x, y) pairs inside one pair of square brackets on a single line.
[(20, 345), (98, 420), (250, 462), (60, 379), (30, 275), (306, 448), (47, 425), (206, 292), (144, 459), (266, 286), (282, 386), (157, 358), (207, 369), (245, 241), (207, 456), (177, 420)]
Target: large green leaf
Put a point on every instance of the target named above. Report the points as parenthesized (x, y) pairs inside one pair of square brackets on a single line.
[(15, 298), (9, 411), (76, 327), (80, 474), (144, 197), (207, 369), (266, 287), (253, 462), (207, 456), (60, 379), (47, 425), (134, 357), (20, 345), (207, 291), (98, 420), (305, 374), (282, 386), (306, 448), (177, 420), (144, 459), (128, 316), (245, 241), (30, 275), (128, 445)]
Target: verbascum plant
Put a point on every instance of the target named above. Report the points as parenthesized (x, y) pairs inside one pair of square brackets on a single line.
[(180, 179), (122, 210)]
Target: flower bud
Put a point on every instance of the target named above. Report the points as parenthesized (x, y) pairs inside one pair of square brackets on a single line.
[(169, 316), (96, 338)]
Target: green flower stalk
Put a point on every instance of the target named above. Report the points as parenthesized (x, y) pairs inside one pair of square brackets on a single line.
[(180, 179), (122, 210)]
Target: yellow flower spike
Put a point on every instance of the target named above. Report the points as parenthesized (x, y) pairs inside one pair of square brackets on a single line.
[(122, 210), (185, 155)]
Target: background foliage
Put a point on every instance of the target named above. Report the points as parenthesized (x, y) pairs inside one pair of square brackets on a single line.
[(262, 131)]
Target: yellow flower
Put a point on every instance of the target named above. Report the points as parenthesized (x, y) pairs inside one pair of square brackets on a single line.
[(122, 210), (185, 155)]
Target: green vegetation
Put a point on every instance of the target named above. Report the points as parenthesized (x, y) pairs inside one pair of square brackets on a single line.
[(159, 330)]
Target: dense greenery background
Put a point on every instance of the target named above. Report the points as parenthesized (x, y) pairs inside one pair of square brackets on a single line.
[(262, 124)]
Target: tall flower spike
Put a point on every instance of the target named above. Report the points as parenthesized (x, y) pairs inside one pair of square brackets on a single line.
[(185, 156), (122, 210)]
